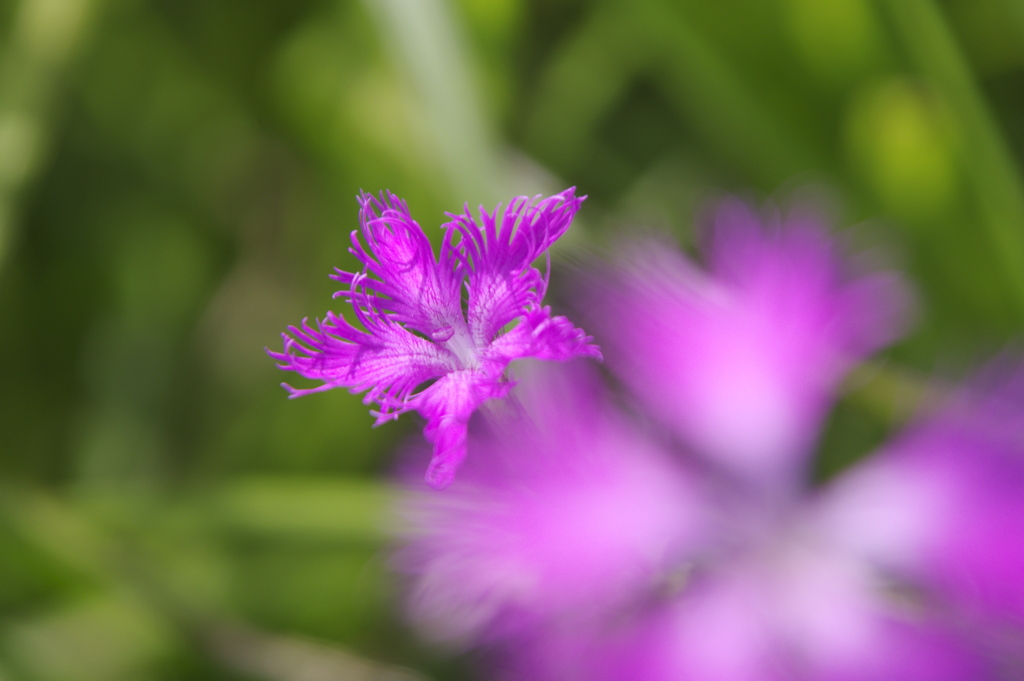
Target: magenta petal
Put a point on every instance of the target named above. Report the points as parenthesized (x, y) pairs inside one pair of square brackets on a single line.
[(743, 360), (942, 508), (542, 336), (386, 360), (497, 252), (448, 435), (538, 223), (447, 406), (967, 461), (418, 291)]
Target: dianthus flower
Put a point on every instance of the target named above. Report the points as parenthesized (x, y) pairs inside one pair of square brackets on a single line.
[(416, 326), (685, 542)]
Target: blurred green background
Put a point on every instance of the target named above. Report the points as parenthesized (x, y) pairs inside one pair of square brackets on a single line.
[(177, 180)]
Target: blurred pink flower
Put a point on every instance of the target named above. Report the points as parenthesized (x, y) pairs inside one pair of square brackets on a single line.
[(580, 544)]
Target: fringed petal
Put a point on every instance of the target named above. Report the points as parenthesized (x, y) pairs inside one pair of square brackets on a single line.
[(539, 335), (497, 251), (386, 360), (447, 406), (400, 270)]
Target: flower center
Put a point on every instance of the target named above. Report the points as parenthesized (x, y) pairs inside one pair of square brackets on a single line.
[(460, 343)]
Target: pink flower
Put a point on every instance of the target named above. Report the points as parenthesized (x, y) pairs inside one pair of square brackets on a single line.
[(414, 327), (684, 542)]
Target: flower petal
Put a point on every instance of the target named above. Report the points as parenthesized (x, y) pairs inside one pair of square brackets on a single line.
[(447, 406), (539, 335), (385, 360), (497, 253), (743, 360), (407, 282), (945, 502)]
